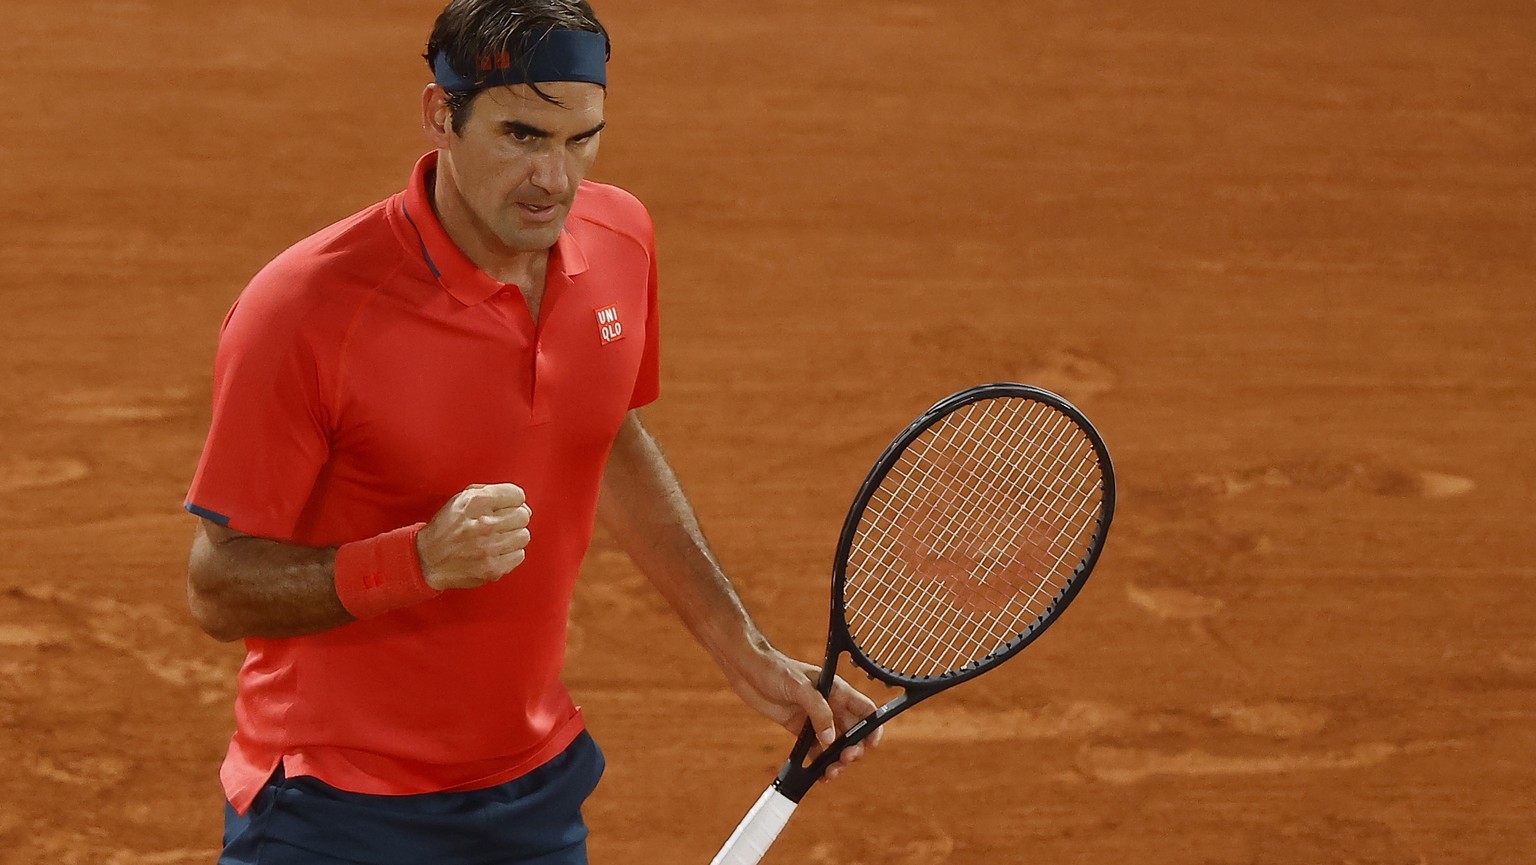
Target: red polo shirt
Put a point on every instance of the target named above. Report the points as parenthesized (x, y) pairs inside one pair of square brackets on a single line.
[(363, 378)]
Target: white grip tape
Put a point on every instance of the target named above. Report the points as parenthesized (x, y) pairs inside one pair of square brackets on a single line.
[(755, 834)]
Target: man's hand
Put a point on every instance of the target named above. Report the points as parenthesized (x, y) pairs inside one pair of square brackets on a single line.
[(784, 690), (477, 538)]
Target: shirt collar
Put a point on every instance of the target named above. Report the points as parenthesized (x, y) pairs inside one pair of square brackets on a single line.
[(454, 271)]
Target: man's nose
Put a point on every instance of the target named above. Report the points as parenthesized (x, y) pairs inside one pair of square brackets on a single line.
[(550, 172)]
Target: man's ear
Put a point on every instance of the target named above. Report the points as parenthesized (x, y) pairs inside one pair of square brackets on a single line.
[(437, 117)]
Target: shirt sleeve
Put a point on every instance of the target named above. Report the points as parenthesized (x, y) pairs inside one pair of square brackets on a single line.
[(648, 381), (270, 435)]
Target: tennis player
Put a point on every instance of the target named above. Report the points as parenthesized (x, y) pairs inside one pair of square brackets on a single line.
[(418, 413)]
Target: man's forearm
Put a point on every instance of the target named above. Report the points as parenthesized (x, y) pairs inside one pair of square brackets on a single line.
[(242, 586), (643, 506)]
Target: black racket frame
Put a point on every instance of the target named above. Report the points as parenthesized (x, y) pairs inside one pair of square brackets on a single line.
[(797, 777)]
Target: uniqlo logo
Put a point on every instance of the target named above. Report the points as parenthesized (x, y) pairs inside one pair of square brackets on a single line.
[(608, 325)]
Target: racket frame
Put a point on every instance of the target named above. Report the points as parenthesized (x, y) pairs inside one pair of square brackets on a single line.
[(797, 777)]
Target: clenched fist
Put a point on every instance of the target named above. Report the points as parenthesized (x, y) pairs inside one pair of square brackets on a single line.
[(476, 538)]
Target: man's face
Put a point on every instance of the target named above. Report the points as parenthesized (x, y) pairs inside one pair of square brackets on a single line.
[(518, 160)]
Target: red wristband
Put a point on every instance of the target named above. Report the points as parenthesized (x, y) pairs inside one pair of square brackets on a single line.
[(382, 573)]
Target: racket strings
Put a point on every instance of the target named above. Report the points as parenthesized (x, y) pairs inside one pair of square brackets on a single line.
[(949, 535), (928, 596), (999, 623), (993, 627), (972, 536)]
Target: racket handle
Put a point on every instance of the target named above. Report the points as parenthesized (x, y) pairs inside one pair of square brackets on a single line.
[(756, 832)]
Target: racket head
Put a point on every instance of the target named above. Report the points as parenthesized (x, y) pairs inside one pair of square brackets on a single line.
[(1003, 482)]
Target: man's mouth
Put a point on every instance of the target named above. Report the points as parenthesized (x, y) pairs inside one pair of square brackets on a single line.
[(534, 213)]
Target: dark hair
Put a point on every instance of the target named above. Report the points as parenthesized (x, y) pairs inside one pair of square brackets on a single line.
[(468, 30)]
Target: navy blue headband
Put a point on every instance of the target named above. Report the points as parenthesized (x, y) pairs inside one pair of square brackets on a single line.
[(559, 55)]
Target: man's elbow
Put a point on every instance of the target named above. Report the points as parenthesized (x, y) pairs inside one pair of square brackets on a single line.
[(205, 595), (209, 615)]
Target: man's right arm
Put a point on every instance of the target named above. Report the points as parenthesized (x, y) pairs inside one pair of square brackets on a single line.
[(240, 586)]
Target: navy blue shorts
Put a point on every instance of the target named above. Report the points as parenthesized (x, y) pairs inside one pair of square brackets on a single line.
[(532, 820)]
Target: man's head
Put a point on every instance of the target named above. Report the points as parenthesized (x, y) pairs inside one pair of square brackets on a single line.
[(516, 107)]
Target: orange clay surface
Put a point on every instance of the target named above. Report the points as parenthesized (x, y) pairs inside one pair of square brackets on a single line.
[(1282, 252)]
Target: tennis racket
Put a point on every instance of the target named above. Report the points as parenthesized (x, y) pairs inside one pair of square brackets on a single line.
[(973, 531)]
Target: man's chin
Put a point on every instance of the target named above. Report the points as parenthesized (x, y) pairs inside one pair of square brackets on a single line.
[(524, 239)]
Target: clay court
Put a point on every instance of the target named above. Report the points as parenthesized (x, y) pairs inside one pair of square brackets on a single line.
[(1282, 253)]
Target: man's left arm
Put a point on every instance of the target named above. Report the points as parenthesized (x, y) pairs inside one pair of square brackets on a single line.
[(643, 506)]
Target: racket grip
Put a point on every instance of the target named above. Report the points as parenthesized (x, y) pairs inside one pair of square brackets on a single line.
[(756, 832)]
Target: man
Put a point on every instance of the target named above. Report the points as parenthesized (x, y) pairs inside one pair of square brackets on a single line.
[(416, 414)]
